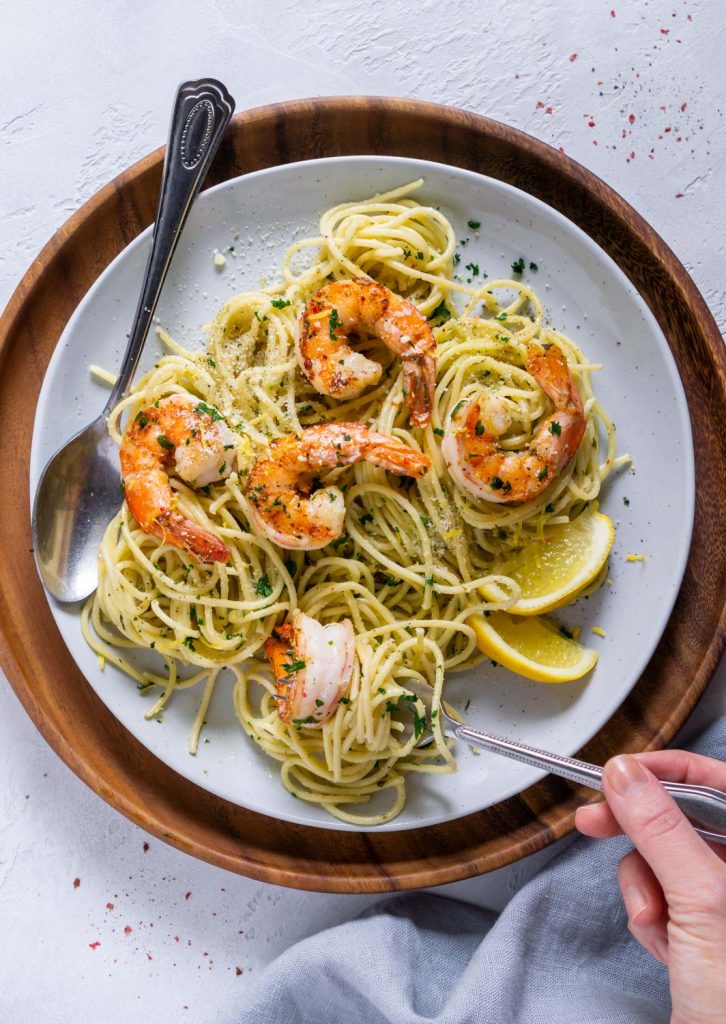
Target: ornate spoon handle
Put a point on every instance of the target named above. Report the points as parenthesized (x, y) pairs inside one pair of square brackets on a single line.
[(202, 111)]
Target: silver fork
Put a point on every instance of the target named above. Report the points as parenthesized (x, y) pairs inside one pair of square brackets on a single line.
[(704, 807)]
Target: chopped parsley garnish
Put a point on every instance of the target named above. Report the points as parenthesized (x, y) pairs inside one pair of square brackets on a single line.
[(474, 224), (365, 518), (426, 521), (339, 541), (441, 312), (318, 702), (479, 429), (555, 428), (534, 267), (334, 322), (457, 407), (502, 317), (188, 641), (549, 509), (438, 431), (164, 442), (209, 410), (518, 266), (507, 487), (122, 488), (419, 255), (542, 475), (626, 501), (141, 419), (392, 581), (294, 666), (473, 268), (211, 362), (280, 303), (290, 566), (263, 587), (496, 483)]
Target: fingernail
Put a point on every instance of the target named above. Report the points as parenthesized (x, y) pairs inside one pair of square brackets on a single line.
[(635, 902), (625, 774)]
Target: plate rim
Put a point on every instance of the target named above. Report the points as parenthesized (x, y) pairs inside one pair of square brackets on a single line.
[(552, 801), (415, 168)]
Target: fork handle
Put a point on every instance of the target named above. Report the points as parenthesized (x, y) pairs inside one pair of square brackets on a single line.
[(704, 807), (202, 111)]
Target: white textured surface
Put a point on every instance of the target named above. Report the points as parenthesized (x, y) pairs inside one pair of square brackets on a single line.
[(86, 90)]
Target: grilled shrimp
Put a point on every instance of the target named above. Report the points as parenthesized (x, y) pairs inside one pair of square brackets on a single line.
[(334, 369), (284, 505), (203, 449), (312, 665), (471, 443)]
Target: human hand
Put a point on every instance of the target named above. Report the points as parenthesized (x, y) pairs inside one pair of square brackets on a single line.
[(673, 882)]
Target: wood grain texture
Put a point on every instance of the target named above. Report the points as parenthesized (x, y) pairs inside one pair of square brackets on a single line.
[(88, 737)]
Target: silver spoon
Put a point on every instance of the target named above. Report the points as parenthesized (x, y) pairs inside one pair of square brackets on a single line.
[(78, 493), (704, 807)]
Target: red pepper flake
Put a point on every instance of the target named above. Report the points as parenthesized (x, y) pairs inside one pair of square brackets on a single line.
[(176, 938), (109, 906), (238, 971), (127, 929), (149, 956), (679, 195), (187, 895), (683, 106), (612, 14), (572, 57), (667, 129), (632, 154), (94, 945), (664, 31), (540, 105), (548, 110), (205, 954), (591, 124), (631, 118), (76, 882), (146, 847), (689, 17)]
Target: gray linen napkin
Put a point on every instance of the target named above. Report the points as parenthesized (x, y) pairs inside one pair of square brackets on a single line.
[(559, 953)]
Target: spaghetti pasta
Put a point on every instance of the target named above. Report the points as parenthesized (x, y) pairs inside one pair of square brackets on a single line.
[(417, 557)]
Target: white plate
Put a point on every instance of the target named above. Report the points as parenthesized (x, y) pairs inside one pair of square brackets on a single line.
[(585, 295)]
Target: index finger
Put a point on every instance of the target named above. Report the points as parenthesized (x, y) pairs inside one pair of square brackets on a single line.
[(598, 821), (684, 766)]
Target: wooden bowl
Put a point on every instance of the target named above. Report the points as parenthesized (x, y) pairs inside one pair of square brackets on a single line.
[(85, 733)]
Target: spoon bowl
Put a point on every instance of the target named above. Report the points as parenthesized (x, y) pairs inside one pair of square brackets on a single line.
[(78, 495)]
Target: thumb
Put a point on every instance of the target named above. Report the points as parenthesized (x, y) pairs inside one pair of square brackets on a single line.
[(658, 828)]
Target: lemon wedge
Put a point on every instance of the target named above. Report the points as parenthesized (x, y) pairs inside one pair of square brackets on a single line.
[(534, 648), (555, 570)]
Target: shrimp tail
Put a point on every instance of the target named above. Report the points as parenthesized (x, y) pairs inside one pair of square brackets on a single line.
[(400, 459), (174, 528), (419, 382)]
